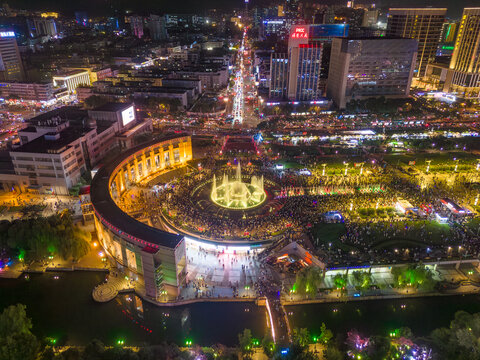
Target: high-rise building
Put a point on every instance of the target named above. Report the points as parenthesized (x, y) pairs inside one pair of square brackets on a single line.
[(370, 67), (305, 60), (422, 24), (157, 28), (81, 18), (370, 18), (449, 31), (136, 26), (11, 67), (305, 66), (447, 38), (464, 72), (278, 76), (45, 27)]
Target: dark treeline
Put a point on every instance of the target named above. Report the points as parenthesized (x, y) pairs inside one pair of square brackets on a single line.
[(37, 238)]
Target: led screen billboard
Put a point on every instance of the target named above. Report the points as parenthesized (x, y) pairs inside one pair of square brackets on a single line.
[(128, 115)]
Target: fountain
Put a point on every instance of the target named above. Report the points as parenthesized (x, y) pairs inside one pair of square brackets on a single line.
[(236, 194)]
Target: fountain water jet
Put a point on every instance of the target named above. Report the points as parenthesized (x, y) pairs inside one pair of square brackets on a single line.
[(236, 194)]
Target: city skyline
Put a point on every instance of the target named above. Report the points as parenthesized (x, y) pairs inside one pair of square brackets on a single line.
[(108, 7)]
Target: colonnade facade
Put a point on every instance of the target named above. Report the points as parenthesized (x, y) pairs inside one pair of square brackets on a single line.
[(160, 260)]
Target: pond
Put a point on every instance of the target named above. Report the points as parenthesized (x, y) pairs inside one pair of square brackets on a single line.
[(63, 308)]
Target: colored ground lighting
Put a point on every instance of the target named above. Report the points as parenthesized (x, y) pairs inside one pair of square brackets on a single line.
[(236, 194), (120, 342)]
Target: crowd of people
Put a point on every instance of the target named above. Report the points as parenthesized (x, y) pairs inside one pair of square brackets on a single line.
[(186, 204)]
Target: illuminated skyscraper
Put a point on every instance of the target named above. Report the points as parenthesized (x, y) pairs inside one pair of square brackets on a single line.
[(301, 74), (370, 67), (305, 60), (136, 26), (279, 76), (464, 72), (156, 26), (422, 24), (11, 67)]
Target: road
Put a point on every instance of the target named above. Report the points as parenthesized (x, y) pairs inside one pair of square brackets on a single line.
[(245, 92)]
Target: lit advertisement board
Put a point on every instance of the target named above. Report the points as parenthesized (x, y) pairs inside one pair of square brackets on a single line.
[(328, 30), (299, 32), (298, 35), (128, 115), (7, 34)]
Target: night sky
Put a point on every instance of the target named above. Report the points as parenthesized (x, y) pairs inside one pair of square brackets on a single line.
[(105, 7)]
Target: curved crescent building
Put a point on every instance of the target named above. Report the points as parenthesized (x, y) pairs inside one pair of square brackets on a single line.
[(157, 255)]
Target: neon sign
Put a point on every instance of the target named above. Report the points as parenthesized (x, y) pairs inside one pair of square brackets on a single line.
[(7, 34), (300, 33)]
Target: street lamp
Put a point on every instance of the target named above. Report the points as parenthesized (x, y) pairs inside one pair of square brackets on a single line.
[(323, 172), (346, 167), (456, 164), (361, 168), (478, 164), (428, 165)]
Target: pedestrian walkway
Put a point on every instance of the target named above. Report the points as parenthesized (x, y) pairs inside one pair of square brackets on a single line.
[(110, 288)]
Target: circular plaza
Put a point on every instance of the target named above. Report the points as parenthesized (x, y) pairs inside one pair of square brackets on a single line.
[(151, 206)]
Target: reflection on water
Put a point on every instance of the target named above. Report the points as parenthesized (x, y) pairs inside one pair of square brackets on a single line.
[(379, 317), (63, 308)]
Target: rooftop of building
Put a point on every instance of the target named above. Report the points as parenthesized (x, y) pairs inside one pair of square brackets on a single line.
[(6, 165), (162, 89), (41, 145), (58, 116), (109, 212), (26, 82), (113, 107), (70, 73), (179, 78)]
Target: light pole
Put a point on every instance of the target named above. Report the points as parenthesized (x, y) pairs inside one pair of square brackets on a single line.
[(323, 171), (346, 167), (478, 164), (456, 164), (361, 168), (428, 165)]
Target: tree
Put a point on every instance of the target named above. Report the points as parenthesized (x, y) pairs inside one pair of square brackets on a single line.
[(19, 346), (95, 101), (40, 237), (93, 351), (16, 340), (308, 280), (325, 334), (245, 343), (268, 345), (340, 281), (301, 337), (333, 353), (380, 348), (14, 320)]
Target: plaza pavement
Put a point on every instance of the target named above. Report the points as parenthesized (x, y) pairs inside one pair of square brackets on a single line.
[(214, 274)]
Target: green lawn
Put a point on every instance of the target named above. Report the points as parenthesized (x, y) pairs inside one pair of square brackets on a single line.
[(408, 235), (440, 162), (330, 234)]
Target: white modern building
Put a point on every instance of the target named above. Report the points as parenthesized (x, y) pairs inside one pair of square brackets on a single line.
[(72, 80)]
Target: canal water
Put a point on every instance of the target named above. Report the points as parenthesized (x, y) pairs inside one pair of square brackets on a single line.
[(380, 317), (63, 308)]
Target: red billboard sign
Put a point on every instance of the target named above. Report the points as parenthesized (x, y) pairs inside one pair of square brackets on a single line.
[(300, 32)]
